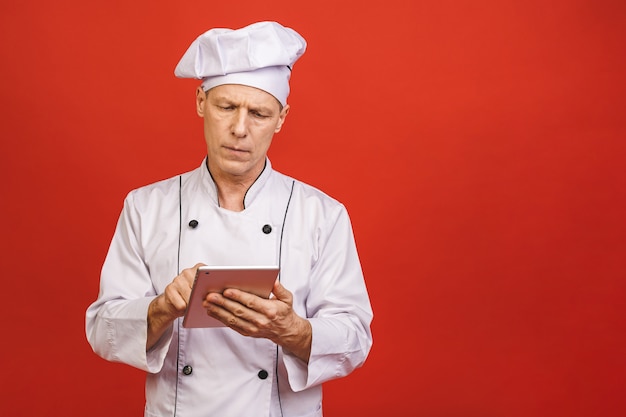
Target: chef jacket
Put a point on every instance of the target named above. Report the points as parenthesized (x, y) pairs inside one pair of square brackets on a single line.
[(177, 223)]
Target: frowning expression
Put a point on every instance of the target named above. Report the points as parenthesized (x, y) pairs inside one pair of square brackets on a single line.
[(239, 123)]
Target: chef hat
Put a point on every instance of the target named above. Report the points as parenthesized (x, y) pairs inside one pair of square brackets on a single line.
[(260, 55)]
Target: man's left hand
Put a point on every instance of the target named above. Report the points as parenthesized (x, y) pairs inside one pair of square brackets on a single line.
[(273, 318)]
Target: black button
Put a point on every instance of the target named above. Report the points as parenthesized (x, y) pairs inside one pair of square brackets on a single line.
[(263, 374), (187, 370), (267, 229), (193, 224)]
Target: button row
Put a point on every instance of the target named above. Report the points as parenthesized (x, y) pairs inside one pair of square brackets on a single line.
[(263, 374), (267, 229)]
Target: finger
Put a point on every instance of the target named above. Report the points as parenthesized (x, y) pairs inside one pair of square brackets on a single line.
[(281, 293), (231, 313), (190, 273), (231, 304), (185, 280), (248, 309), (174, 299), (251, 301), (221, 314), (196, 266)]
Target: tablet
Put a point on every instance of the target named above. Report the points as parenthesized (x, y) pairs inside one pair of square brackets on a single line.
[(258, 280)]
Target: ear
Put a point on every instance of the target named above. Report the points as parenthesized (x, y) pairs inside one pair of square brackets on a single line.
[(201, 100), (281, 118)]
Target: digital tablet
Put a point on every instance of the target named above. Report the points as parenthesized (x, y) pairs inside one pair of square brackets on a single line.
[(258, 280)]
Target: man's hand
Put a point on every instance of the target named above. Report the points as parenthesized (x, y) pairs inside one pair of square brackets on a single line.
[(273, 319), (165, 308)]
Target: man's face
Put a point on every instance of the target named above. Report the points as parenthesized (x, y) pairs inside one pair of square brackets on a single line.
[(239, 123)]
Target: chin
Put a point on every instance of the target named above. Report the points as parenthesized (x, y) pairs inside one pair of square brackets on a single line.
[(237, 167)]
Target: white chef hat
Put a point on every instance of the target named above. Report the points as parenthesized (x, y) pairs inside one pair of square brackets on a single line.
[(260, 55)]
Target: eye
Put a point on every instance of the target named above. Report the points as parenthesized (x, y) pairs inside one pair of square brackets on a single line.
[(224, 105), (258, 114)]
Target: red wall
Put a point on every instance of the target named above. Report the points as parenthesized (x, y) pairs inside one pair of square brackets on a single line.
[(478, 145)]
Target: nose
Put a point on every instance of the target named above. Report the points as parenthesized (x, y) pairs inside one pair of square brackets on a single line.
[(239, 126)]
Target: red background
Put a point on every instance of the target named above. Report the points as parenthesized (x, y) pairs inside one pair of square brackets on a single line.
[(478, 145)]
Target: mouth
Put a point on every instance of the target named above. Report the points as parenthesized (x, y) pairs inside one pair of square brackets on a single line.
[(236, 151)]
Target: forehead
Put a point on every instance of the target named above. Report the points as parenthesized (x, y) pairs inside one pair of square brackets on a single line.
[(244, 95)]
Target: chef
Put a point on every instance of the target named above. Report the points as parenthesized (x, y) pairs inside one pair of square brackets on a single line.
[(271, 356)]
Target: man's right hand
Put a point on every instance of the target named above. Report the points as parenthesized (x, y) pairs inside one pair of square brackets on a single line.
[(170, 305)]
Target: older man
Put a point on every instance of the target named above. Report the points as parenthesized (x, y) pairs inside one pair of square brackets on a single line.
[(272, 355)]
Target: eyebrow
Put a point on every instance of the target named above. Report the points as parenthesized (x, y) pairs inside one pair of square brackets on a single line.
[(258, 108)]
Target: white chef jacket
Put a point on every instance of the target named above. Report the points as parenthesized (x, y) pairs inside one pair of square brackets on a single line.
[(216, 371)]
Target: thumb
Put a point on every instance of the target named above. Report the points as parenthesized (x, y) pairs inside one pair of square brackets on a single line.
[(281, 293)]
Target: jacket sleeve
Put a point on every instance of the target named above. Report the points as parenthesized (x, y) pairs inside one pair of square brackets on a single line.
[(116, 323), (337, 305)]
